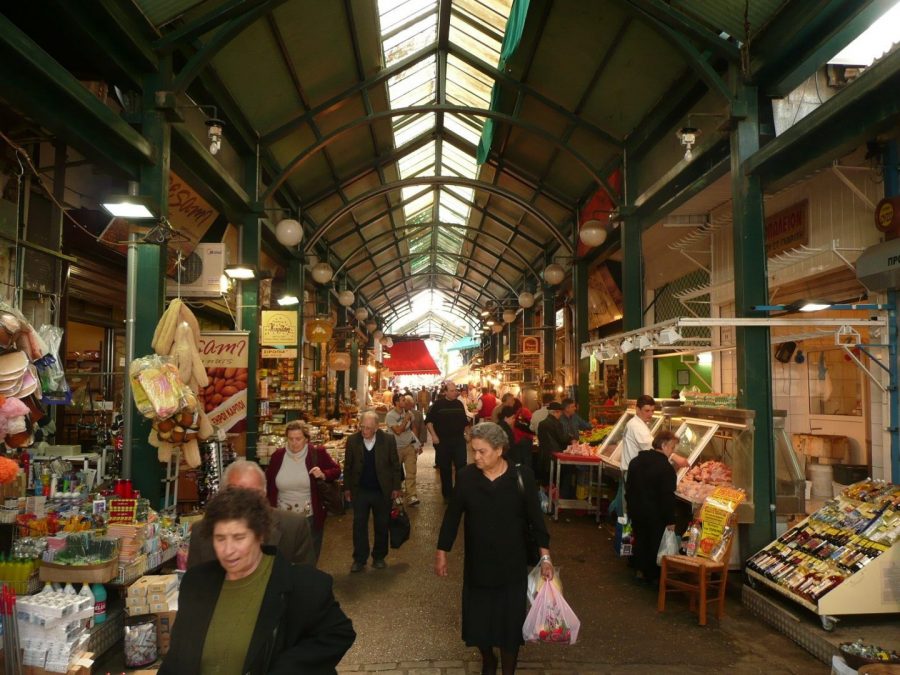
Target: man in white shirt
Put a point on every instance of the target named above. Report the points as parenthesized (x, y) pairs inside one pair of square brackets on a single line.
[(637, 432), (399, 421), (540, 414)]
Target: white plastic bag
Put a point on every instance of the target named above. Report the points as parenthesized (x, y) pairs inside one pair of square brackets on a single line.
[(536, 582), (668, 545), (550, 619)]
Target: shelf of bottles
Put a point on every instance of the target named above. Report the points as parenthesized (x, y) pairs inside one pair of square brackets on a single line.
[(839, 560)]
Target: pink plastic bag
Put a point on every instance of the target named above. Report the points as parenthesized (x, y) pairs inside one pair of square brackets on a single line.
[(550, 619)]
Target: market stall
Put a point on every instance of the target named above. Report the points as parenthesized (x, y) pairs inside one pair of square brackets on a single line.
[(841, 560)]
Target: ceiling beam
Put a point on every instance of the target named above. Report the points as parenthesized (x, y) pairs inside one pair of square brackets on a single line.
[(660, 13), (203, 24), (866, 107), (477, 185), (40, 87), (332, 136), (803, 36), (409, 256), (685, 93)]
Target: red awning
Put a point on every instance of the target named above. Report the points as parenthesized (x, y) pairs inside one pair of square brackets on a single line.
[(411, 357)]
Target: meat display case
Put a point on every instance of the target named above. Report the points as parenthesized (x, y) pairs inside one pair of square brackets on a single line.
[(610, 450)]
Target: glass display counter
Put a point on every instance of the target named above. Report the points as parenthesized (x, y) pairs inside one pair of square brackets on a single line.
[(610, 450), (790, 483), (718, 446)]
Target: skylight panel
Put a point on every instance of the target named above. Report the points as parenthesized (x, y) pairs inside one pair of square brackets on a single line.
[(466, 85), (461, 163), (419, 263), (411, 127), (446, 264), (414, 163), (463, 127), (414, 85), (410, 39), (396, 13), (422, 203)]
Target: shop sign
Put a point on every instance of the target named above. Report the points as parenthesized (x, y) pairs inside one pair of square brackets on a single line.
[(787, 229), (224, 354), (530, 344), (278, 328), (887, 214), (277, 353)]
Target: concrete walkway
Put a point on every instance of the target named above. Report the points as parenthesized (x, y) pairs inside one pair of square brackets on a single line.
[(408, 620)]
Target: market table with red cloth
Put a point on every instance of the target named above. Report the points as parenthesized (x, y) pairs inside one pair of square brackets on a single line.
[(565, 459)]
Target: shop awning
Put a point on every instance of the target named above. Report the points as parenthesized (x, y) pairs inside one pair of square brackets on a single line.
[(411, 358), (468, 342)]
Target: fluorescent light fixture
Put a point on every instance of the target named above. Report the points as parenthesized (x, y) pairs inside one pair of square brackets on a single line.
[(242, 272), (626, 346), (704, 358), (669, 336), (814, 306), (123, 209), (288, 300)]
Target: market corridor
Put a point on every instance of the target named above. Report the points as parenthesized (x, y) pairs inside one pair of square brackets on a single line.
[(408, 620)]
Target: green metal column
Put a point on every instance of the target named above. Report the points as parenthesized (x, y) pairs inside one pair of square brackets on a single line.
[(580, 288), (148, 280), (549, 318), (632, 283), (354, 369), (527, 329), (341, 346), (250, 317), (753, 345), (294, 286), (512, 336)]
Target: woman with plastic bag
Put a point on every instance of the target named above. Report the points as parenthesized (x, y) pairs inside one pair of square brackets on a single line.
[(650, 495), (500, 503)]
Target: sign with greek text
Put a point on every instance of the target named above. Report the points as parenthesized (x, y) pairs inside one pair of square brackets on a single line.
[(787, 229), (278, 328), (224, 399)]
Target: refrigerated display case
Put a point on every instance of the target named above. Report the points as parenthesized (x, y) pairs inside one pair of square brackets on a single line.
[(610, 451), (790, 474)]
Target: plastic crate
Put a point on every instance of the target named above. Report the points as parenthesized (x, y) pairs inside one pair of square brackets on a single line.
[(28, 586)]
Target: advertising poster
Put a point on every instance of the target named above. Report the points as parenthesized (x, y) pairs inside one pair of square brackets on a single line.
[(278, 328), (224, 354)]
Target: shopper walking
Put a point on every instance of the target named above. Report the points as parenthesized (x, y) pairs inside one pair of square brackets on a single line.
[(399, 423), (551, 438), (486, 405), (499, 502), (250, 610), (650, 494), (371, 482), (291, 479), (447, 422), (423, 399), (420, 431), (519, 452), (290, 532)]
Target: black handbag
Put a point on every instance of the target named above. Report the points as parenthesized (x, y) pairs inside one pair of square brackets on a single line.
[(532, 550), (399, 527), (330, 494)]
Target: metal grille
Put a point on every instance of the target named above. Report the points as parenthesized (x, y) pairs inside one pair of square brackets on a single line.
[(668, 306)]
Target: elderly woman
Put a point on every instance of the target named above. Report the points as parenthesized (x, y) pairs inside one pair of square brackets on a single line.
[(650, 495), (291, 476), (500, 502), (250, 611)]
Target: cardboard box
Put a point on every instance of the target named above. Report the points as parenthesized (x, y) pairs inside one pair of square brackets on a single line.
[(138, 610), (79, 574), (139, 588), (163, 583), (164, 623)]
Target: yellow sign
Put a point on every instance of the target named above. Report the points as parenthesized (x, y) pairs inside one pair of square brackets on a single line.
[(274, 353), (278, 328)]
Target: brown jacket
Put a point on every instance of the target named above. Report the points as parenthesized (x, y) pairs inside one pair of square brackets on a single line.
[(387, 463)]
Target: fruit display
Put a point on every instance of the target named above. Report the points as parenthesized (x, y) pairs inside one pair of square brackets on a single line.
[(596, 435), (700, 480)]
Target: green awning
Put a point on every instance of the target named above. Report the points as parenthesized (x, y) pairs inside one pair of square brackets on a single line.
[(465, 343)]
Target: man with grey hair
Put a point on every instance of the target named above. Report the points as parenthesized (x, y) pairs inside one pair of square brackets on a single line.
[(371, 482), (290, 530)]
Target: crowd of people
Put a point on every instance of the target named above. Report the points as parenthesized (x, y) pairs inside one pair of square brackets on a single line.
[(252, 558)]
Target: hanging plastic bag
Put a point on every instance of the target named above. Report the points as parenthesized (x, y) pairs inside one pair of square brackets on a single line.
[(550, 619), (624, 540), (668, 545), (54, 388), (536, 582)]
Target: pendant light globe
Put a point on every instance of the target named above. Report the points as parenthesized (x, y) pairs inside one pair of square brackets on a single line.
[(289, 232)]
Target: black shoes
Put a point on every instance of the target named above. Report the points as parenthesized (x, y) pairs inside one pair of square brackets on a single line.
[(379, 564), (357, 567)]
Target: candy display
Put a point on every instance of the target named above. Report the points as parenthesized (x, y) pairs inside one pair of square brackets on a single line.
[(846, 537), (857, 654), (140, 641), (702, 479)]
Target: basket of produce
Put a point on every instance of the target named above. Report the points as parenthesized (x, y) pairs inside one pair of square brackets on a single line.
[(858, 654)]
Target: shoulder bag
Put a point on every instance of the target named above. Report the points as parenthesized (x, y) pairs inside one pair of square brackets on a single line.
[(329, 491), (532, 551)]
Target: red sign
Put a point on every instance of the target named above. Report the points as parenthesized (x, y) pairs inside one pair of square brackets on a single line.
[(787, 229), (224, 354)]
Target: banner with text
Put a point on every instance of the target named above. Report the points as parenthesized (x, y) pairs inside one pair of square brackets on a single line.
[(224, 354)]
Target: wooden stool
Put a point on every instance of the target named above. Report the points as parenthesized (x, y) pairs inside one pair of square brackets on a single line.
[(700, 578)]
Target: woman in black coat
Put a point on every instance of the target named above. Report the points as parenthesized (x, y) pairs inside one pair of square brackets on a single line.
[(650, 494), (250, 611), (499, 501)]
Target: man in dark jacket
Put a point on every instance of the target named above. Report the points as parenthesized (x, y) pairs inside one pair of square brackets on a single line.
[(371, 481), (551, 438), (290, 532)]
